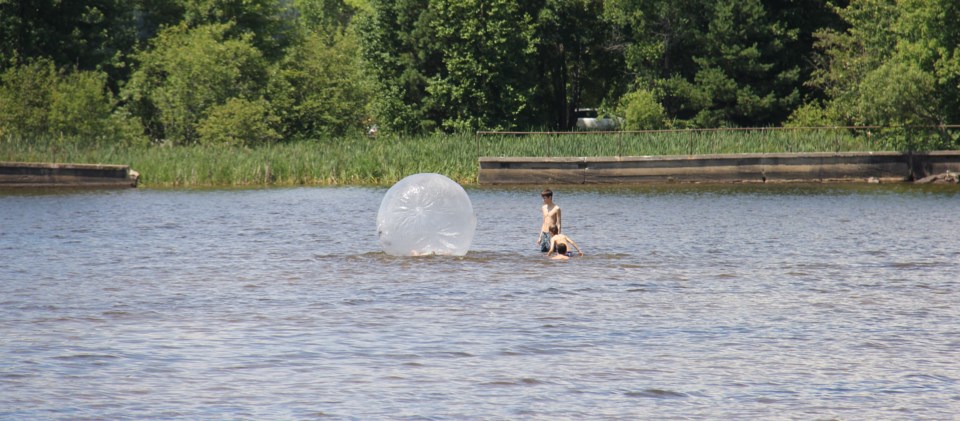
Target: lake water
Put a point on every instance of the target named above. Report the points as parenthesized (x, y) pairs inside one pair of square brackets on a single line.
[(692, 302)]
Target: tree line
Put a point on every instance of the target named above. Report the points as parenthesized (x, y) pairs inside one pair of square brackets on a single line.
[(260, 71)]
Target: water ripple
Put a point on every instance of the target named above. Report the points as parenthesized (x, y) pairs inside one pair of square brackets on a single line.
[(749, 302)]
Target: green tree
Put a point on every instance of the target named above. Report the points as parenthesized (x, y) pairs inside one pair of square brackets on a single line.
[(37, 101), (269, 25), (718, 62), (150, 16), (320, 87), (657, 37), (579, 62), (26, 92), (329, 15), (396, 45), (188, 70), (449, 65), (487, 50), (86, 35), (898, 64), (80, 105), (737, 81), (239, 122), (848, 55), (933, 42), (805, 18)]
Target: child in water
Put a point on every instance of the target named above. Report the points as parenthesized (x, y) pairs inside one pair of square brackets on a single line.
[(558, 241), (561, 253)]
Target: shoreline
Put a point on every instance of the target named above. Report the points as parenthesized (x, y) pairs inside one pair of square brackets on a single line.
[(824, 167)]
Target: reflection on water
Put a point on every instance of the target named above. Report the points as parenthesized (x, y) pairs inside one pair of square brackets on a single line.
[(693, 302)]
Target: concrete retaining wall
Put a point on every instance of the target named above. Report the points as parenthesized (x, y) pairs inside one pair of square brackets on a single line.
[(804, 167), (31, 174)]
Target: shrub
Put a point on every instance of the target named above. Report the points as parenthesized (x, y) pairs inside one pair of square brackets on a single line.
[(239, 122), (37, 101), (641, 111), (186, 72), (80, 105), (320, 88), (811, 114), (25, 94)]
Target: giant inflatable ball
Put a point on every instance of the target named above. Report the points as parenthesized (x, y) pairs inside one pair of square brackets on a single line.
[(426, 214)]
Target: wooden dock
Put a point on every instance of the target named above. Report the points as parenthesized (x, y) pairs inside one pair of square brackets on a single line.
[(727, 168), (40, 175)]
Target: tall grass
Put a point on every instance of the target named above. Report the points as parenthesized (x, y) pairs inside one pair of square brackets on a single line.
[(385, 160), (352, 161), (684, 142)]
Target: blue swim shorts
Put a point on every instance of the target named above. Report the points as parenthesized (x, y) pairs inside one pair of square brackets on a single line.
[(544, 242)]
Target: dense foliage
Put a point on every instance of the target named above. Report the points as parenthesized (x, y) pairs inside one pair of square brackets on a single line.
[(255, 72)]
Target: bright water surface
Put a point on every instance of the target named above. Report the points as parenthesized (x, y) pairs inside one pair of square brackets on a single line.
[(692, 302)]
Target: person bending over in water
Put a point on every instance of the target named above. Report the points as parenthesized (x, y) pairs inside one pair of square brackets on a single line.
[(558, 241), (551, 218), (561, 253)]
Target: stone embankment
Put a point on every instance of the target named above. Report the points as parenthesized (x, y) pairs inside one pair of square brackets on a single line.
[(729, 168), (34, 175), (948, 177)]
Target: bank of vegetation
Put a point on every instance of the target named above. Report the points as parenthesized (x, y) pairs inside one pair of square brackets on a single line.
[(363, 160), (264, 91)]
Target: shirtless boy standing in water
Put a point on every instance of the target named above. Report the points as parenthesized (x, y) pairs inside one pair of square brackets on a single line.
[(551, 217)]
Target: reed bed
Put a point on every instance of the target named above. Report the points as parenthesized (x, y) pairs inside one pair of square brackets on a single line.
[(346, 161), (685, 142), (385, 160)]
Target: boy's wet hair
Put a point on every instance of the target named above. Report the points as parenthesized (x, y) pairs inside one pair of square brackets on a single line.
[(561, 248), (554, 229), (546, 193)]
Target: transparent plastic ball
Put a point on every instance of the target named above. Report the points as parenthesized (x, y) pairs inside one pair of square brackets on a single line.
[(426, 214)]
